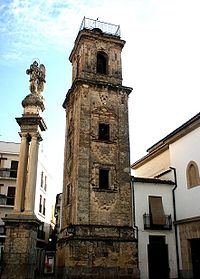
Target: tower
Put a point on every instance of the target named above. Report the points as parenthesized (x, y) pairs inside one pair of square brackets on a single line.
[(98, 237), (22, 225)]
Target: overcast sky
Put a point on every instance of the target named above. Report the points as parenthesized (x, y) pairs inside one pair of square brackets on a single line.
[(161, 61)]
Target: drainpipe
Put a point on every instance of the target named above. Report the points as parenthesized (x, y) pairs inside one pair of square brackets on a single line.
[(133, 214), (175, 225)]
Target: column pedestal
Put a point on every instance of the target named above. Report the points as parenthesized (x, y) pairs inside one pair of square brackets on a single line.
[(20, 246)]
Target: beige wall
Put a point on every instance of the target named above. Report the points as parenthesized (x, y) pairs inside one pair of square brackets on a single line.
[(154, 166)]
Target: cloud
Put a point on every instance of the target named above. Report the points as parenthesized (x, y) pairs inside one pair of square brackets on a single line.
[(29, 25)]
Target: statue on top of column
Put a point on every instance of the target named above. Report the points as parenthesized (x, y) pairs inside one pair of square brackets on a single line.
[(37, 78)]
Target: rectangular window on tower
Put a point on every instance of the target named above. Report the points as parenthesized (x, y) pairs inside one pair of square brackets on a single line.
[(104, 179), (104, 131)]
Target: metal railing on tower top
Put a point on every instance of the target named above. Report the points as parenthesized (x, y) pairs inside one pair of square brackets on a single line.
[(107, 28)]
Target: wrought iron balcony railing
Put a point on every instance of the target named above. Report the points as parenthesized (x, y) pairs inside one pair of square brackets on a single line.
[(6, 172), (148, 225), (5, 200)]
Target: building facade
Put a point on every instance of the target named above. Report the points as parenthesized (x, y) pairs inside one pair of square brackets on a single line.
[(178, 153), (154, 216), (9, 158), (97, 236)]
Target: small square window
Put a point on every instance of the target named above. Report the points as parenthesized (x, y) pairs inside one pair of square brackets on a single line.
[(103, 131), (103, 179)]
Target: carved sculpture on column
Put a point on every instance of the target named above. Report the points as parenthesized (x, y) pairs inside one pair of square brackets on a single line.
[(37, 77)]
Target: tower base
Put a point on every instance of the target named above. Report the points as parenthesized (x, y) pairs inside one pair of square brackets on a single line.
[(19, 259), (95, 251)]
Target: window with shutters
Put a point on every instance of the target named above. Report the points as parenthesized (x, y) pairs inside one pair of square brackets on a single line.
[(192, 174)]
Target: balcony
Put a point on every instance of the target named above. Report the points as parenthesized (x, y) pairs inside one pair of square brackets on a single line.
[(6, 200), (148, 225), (8, 173), (108, 28)]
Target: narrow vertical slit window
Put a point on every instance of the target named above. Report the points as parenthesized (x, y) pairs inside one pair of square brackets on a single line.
[(45, 183), (40, 204), (44, 206), (42, 179)]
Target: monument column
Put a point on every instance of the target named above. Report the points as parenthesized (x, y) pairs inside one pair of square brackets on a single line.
[(22, 226), (21, 173)]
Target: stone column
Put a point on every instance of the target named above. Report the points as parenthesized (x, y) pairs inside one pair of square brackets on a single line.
[(22, 172), (32, 174)]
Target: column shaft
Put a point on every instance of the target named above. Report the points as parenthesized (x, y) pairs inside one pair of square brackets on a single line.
[(21, 173), (32, 175)]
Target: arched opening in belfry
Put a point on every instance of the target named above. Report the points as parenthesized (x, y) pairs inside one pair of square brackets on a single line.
[(102, 63)]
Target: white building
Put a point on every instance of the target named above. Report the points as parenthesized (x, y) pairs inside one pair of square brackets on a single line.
[(154, 215), (180, 151), (44, 201)]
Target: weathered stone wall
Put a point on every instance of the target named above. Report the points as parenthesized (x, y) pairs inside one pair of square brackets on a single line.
[(85, 154), (100, 251), (20, 251), (187, 231)]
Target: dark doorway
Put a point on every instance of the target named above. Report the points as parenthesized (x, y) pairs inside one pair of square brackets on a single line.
[(195, 253), (158, 258)]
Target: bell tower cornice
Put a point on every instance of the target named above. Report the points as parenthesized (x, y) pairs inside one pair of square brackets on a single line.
[(96, 84)]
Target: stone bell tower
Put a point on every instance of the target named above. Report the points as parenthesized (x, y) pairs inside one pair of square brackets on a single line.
[(21, 226), (97, 237)]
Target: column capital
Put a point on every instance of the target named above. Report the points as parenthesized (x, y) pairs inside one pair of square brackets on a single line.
[(35, 136), (23, 134)]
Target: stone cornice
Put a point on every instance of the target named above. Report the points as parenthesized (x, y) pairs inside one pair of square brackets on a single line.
[(99, 84)]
